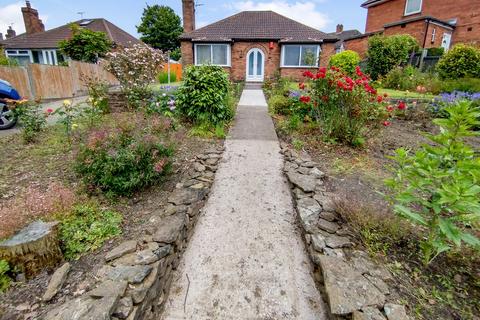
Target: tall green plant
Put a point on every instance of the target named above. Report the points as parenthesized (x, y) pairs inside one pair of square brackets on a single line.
[(385, 53), (346, 61), (85, 45), (204, 96), (438, 187)]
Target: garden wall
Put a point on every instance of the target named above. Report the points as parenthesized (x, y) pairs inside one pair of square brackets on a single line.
[(134, 281), (354, 286), (36, 81)]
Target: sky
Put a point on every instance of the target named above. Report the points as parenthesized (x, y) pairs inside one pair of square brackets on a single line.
[(321, 14)]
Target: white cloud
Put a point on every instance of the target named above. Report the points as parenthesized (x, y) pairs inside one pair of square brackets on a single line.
[(301, 11), (12, 13)]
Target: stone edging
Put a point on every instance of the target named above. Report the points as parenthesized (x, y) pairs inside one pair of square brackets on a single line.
[(136, 277), (354, 286)]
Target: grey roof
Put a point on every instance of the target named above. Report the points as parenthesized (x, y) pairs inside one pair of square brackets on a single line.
[(50, 38), (347, 34), (258, 25)]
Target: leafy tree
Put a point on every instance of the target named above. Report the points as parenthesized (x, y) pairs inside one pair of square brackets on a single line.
[(160, 28), (438, 187), (386, 53), (85, 45)]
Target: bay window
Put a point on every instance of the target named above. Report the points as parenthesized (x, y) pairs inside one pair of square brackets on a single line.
[(214, 54), (413, 6), (300, 55)]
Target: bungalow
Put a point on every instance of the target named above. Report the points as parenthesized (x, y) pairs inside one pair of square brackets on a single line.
[(255, 45), (39, 46)]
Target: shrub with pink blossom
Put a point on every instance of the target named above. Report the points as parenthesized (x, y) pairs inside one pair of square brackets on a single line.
[(136, 69)]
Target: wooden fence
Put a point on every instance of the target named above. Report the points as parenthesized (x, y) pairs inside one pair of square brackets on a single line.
[(37, 81), (174, 68)]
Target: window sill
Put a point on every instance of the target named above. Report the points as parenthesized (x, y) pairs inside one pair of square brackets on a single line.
[(299, 67), (412, 14)]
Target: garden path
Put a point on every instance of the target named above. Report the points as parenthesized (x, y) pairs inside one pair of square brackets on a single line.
[(246, 259)]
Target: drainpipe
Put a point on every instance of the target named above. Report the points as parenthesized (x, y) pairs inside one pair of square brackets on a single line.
[(424, 51)]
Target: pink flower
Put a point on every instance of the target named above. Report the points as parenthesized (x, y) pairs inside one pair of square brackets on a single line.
[(386, 123), (49, 110)]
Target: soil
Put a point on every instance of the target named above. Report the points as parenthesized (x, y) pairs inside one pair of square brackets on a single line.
[(23, 299), (449, 288)]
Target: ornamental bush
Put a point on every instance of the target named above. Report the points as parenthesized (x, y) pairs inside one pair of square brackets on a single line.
[(438, 187), (385, 53), (462, 61), (136, 68), (123, 159), (346, 108), (204, 96), (345, 61)]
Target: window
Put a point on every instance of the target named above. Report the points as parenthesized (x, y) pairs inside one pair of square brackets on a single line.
[(434, 35), (215, 54), (413, 6), (300, 55), (23, 57)]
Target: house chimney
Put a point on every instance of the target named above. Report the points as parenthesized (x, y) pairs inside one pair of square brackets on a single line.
[(339, 28), (188, 7), (33, 24), (10, 33)]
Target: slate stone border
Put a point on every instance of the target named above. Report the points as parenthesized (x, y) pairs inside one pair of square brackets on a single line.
[(135, 280), (353, 285)]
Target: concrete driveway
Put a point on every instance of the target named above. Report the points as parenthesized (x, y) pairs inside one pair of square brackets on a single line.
[(54, 105)]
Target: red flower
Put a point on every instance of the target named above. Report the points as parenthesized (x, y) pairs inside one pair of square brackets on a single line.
[(401, 105), (305, 99), (325, 98), (322, 70), (340, 84), (320, 75), (358, 71), (379, 99), (308, 74), (389, 108), (49, 110), (301, 85), (386, 123)]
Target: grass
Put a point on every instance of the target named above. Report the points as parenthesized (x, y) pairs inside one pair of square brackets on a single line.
[(405, 94)]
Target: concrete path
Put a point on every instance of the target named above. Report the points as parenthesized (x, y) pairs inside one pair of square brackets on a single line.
[(246, 259)]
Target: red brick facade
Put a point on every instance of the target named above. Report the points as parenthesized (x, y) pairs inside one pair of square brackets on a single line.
[(239, 51), (359, 45), (466, 13)]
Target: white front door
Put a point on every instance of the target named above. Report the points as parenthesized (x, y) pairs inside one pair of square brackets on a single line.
[(255, 65), (447, 38)]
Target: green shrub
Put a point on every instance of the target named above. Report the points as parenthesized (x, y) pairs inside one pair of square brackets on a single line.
[(438, 188), (86, 228), (462, 61), (435, 52), (280, 104), (385, 53), (346, 61), (204, 95), (97, 96), (4, 61), (163, 77), (471, 85), (31, 117), (410, 78), (4, 278), (120, 161)]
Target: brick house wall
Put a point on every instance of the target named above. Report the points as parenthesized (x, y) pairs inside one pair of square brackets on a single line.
[(239, 51), (467, 13), (359, 45)]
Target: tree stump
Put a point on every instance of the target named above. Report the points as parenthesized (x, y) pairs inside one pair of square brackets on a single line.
[(34, 249)]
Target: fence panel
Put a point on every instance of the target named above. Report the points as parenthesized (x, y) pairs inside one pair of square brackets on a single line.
[(37, 81), (52, 82), (18, 77)]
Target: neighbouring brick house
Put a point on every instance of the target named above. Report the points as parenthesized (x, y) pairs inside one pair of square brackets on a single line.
[(434, 23), (255, 45), (39, 46)]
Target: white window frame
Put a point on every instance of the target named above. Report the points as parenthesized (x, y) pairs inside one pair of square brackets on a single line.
[(229, 61), (282, 56), (434, 35), (12, 53), (413, 12)]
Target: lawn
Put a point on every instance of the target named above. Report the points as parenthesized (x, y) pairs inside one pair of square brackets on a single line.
[(405, 94)]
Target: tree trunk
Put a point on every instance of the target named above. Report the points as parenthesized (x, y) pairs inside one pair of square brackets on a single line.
[(33, 249)]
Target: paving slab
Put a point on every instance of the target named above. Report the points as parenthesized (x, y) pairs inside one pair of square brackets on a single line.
[(246, 259)]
